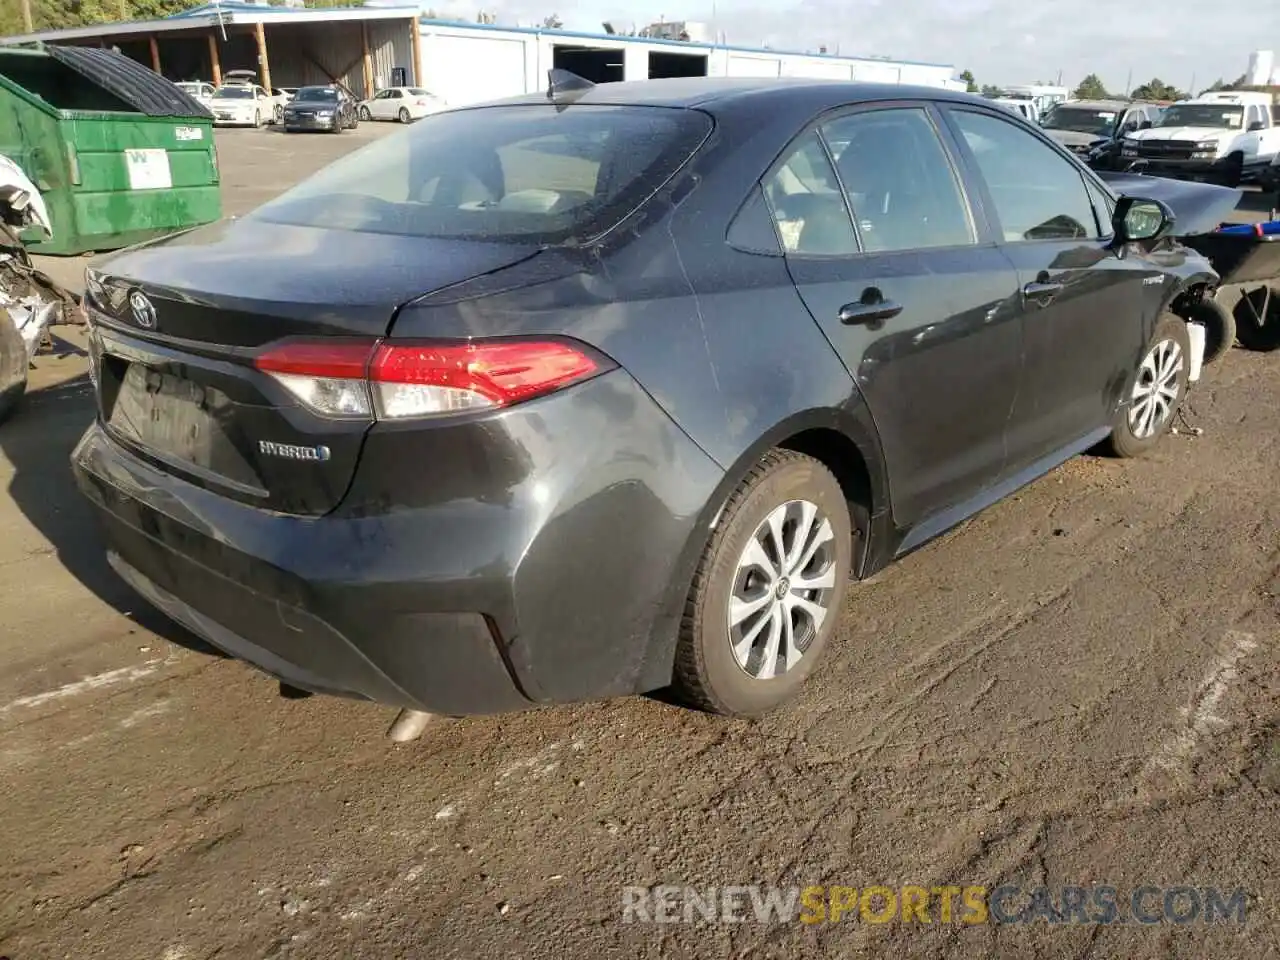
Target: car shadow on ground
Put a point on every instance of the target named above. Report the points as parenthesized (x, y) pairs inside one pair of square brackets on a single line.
[(37, 442)]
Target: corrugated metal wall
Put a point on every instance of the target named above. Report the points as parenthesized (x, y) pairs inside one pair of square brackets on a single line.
[(391, 43), (316, 53)]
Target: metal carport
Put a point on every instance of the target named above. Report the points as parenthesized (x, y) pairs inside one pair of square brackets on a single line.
[(360, 48)]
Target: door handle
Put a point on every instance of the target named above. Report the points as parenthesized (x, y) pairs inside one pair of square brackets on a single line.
[(873, 309), (1042, 288)]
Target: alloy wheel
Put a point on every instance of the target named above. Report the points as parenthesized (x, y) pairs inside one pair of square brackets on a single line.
[(1155, 393), (783, 589)]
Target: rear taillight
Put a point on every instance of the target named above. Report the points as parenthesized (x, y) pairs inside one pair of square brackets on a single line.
[(391, 381)]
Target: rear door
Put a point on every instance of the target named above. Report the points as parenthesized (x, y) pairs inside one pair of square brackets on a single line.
[(919, 304), (1083, 303)]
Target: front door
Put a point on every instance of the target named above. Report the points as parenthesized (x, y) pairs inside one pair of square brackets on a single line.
[(1083, 301), (924, 316)]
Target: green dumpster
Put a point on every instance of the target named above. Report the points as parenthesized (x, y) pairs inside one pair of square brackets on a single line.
[(121, 154)]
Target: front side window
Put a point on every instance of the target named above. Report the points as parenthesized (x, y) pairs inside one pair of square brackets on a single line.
[(899, 181), (525, 173), (1038, 194), (807, 205)]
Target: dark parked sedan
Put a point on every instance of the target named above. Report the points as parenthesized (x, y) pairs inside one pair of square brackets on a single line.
[(543, 401), (320, 108)]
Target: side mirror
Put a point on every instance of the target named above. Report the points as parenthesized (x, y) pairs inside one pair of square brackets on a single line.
[(1139, 219), (1145, 125), (1256, 126)]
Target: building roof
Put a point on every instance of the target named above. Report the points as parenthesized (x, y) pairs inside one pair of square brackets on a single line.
[(211, 14)]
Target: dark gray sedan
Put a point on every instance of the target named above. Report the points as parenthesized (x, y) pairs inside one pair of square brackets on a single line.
[(320, 108), (615, 388)]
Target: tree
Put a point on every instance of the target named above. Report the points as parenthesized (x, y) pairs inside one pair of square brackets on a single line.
[(990, 90), (1157, 89), (970, 84), (1091, 88), (552, 22)]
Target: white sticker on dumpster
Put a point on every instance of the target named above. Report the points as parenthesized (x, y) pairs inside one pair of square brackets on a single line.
[(148, 169), (188, 133)]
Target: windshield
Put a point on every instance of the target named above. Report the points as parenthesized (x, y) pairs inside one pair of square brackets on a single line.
[(317, 93), (518, 173), (1216, 115), (1081, 120), (233, 93)]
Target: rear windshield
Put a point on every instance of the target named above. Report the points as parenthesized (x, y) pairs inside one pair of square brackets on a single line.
[(524, 173)]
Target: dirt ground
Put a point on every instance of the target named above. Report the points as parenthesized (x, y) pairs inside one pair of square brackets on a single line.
[(1078, 687)]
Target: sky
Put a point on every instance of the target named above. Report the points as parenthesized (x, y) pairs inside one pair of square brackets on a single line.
[(1001, 41)]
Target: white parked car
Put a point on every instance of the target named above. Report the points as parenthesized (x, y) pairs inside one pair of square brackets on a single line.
[(198, 90), (405, 104), (242, 105)]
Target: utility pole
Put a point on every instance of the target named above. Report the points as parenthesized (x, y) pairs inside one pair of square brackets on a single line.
[(1128, 83), (26, 16)]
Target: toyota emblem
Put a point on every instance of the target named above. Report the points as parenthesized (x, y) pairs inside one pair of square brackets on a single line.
[(144, 314)]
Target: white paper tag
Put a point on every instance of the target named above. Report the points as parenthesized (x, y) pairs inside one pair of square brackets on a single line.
[(188, 133), (148, 169)]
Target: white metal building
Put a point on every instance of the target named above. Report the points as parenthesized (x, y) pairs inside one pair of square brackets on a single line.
[(469, 63), (385, 44)]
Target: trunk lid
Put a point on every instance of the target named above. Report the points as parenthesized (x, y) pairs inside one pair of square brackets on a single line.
[(177, 324)]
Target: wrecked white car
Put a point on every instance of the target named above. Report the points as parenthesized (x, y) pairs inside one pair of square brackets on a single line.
[(30, 300)]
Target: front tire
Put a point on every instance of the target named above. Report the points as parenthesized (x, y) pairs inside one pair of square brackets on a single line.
[(365, 115), (404, 115), (1156, 391), (1219, 326), (257, 119), (768, 591)]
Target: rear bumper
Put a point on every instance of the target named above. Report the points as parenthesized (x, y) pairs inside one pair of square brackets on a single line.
[(549, 563)]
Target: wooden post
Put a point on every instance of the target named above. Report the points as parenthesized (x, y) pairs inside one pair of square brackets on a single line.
[(416, 39), (214, 63), (155, 53), (265, 72), (26, 17), (368, 61)]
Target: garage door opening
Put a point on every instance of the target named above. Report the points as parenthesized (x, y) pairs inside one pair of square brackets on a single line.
[(597, 64), (665, 65)]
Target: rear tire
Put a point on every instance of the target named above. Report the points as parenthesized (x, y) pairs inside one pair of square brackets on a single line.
[(759, 617), (1254, 334), (1154, 392), (257, 119), (365, 115), (404, 115), (13, 368)]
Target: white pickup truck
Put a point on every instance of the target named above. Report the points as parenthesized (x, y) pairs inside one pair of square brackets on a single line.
[(1223, 137)]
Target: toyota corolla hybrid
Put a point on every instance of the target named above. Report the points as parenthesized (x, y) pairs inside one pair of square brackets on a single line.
[(615, 389)]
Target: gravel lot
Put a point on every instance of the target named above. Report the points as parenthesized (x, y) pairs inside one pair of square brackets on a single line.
[(1079, 686)]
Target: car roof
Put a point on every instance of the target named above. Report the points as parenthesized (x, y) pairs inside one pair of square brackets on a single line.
[(715, 93)]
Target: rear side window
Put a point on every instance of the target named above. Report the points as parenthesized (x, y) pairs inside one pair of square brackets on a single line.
[(899, 180), (523, 173), (1038, 194), (807, 205)]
